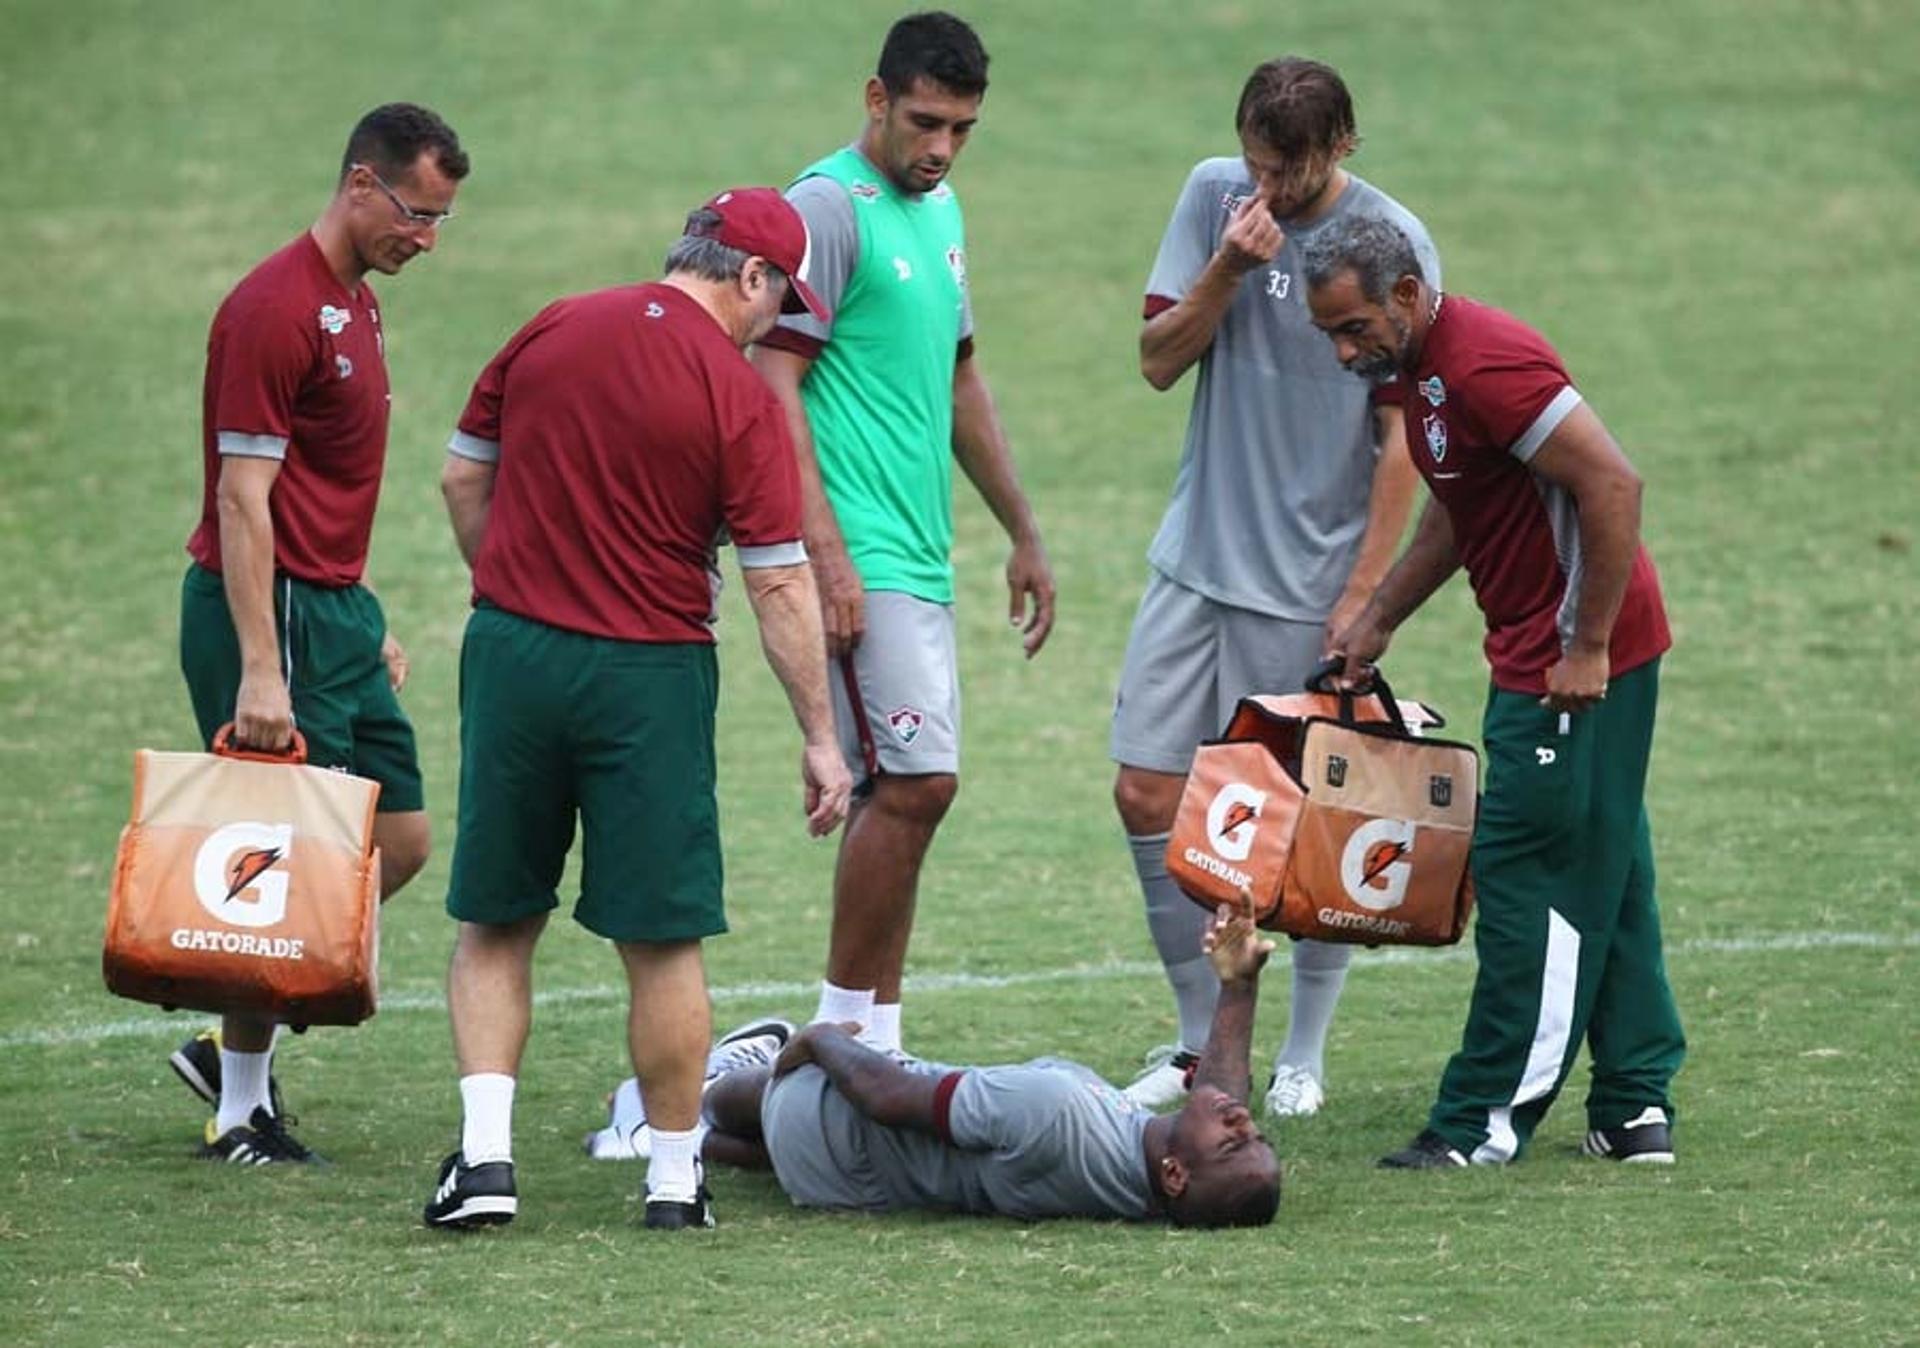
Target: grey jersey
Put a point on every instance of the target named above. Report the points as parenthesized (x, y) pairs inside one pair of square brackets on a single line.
[(1271, 498), (1048, 1138)]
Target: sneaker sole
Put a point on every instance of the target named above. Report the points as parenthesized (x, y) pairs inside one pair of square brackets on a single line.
[(184, 1069), (484, 1211)]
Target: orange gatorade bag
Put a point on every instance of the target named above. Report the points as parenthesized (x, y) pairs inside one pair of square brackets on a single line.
[(247, 882), (1331, 809)]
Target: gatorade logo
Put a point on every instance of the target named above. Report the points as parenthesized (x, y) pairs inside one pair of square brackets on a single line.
[(1233, 818), (1374, 868), (240, 876)]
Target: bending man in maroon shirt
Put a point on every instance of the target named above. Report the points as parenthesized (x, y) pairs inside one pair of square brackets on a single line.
[(1535, 500), (605, 452)]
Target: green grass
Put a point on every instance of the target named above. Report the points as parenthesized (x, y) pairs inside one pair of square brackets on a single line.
[(1710, 208)]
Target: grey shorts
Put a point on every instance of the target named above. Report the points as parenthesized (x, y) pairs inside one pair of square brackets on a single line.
[(826, 1154), (906, 678), (1189, 660)]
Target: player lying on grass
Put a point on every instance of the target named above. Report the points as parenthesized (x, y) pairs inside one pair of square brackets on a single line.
[(842, 1126)]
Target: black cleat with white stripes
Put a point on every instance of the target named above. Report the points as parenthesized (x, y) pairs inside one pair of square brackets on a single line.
[(466, 1196), (262, 1140)]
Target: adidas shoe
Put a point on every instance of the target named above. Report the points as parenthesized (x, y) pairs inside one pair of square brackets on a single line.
[(262, 1140), (1294, 1093), (467, 1196), (626, 1136), (1429, 1151), (1644, 1140), (1168, 1078), (197, 1062)]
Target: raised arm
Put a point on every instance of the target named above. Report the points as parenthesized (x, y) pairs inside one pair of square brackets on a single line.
[(1237, 953), (980, 444), (1175, 338)]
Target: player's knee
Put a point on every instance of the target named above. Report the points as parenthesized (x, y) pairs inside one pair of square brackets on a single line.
[(405, 842), (1146, 801), (922, 800)]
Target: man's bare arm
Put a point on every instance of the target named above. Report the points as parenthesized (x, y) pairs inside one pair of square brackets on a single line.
[(980, 444), (263, 711), (467, 487), (842, 595), (1175, 338)]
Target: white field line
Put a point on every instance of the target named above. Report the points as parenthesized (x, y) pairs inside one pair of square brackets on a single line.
[(408, 1002)]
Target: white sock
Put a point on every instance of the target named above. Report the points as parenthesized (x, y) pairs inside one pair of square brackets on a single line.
[(487, 1134), (883, 1028), (243, 1087), (673, 1172), (839, 1005)]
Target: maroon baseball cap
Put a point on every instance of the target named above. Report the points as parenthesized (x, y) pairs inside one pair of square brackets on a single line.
[(758, 220)]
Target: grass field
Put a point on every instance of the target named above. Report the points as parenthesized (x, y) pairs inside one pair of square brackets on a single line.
[(1710, 207)]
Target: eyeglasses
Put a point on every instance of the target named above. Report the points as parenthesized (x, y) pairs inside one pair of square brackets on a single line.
[(408, 215)]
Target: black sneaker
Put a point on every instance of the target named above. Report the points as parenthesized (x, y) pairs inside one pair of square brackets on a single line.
[(1429, 1151), (262, 1140), (1645, 1140), (472, 1195), (664, 1214), (197, 1062)]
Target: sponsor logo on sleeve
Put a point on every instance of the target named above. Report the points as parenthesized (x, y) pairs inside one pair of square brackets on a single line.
[(333, 321), (1433, 390)]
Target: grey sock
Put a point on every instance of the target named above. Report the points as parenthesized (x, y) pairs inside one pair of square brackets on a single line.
[(1319, 973), (1177, 924)]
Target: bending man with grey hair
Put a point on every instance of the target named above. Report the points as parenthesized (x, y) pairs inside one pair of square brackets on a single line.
[(1535, 500), (604, 453)]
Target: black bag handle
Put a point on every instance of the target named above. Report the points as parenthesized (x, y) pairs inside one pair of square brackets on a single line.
[(1321, 681)]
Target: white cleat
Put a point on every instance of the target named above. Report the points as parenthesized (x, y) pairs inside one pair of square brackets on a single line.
[(627, 1137), (1293, 1093), (1168, 1078)]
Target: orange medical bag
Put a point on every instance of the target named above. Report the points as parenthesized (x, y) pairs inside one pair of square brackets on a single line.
[(1336, 815), (247, 883)]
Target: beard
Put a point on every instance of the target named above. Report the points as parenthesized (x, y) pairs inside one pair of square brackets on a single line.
[(1383, 367)]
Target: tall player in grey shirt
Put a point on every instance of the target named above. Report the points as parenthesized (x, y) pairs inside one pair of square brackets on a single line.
[(1292, 493), (842, 1126)]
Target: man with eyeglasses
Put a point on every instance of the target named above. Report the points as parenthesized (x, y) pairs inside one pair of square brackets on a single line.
[(277, 628), (1291, 495)]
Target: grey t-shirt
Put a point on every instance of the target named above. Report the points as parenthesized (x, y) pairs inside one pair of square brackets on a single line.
[(1270, 502), (1047, 1138)]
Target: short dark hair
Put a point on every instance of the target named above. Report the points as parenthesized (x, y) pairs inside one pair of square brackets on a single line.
[(1296, 107), (1376, 251), (935, 46), (391, 138), (1217, 1201)]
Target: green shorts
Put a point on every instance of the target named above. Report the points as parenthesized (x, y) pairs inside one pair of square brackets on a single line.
[(554, 723), (343, 704)]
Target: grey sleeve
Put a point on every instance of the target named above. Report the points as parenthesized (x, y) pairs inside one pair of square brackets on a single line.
[(1188, 244), (1422, 243), (834, 240), (1004, 1108)]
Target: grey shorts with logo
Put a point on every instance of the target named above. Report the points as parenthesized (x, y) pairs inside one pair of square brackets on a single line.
[(1189, 660), (906, 678)]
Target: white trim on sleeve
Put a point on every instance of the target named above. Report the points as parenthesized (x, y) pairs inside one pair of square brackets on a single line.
[(772, 554), (1546, 423), (473, 447), (244, 446)]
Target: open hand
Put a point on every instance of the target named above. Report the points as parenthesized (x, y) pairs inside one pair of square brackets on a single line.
[(1236, 952)]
